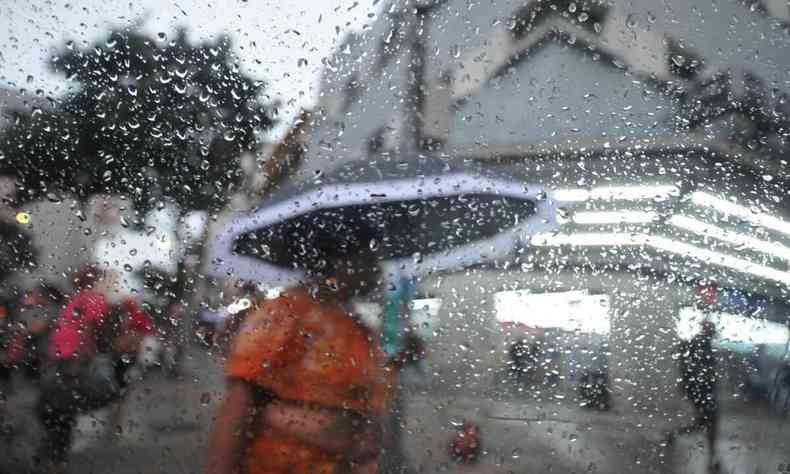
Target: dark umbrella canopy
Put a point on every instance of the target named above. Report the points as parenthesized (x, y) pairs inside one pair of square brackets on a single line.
[(425, 215)]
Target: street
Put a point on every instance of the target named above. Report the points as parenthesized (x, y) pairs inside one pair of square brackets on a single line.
[(166, 422)]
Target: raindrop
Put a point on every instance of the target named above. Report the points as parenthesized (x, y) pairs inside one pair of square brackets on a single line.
[(52, 197), (132, 90), (229, 135), (768, 178), (205, 398)]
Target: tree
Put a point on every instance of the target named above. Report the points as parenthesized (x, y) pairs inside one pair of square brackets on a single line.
[(149, 119)]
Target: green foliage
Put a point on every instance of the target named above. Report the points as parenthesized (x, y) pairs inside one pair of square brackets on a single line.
[(148, 119)]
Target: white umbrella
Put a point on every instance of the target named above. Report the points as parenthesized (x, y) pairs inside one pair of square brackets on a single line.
[(449, 218)]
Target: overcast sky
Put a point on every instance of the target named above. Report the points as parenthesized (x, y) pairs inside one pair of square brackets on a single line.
[(271, 36)]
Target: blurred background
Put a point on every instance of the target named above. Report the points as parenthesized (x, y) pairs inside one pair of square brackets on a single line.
[(604, 178)]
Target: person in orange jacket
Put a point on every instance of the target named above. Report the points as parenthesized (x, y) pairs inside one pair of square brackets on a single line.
[(307, 382)]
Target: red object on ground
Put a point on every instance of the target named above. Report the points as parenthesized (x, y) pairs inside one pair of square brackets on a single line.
[(465, 447)]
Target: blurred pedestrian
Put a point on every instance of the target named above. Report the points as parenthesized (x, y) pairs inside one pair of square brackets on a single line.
[(37, 313), (700, 381), (173, 343), (410, 359), (5, 341), (307, 383), (524, 361), (130, 325), (122, 338), (76, 377)]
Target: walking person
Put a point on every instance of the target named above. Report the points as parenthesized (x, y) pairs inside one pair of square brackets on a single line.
[(125, 330), (75, 378), (700, 381), (37, 313), (307, 383)]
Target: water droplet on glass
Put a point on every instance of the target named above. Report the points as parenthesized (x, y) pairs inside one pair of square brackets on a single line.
[(205, 398)]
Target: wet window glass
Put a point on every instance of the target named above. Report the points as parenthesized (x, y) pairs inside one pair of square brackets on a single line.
[(384, 236)]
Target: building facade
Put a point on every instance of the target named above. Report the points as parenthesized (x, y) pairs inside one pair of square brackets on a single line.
[(662, 132)]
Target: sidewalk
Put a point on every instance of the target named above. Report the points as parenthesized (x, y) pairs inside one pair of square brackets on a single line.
[(554, 436), (168, 420), (164, 428)]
